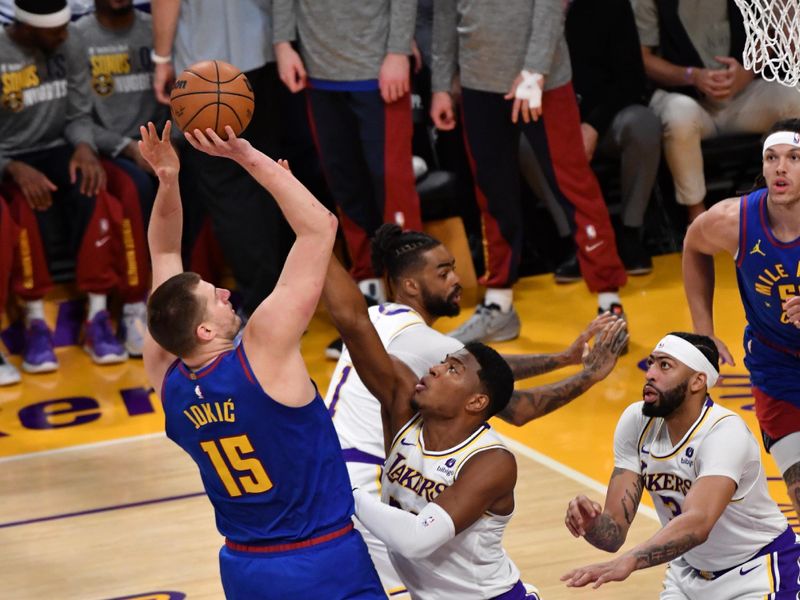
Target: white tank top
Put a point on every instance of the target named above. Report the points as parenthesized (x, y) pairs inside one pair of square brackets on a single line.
[(718, 443), (357, 413), (473, 565)]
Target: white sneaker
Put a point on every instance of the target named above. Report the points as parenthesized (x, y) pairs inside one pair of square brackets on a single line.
[(134, 325), (9, 374), (488, 324)]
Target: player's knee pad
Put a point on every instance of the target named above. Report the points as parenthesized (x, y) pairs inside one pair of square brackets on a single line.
[(786, 451)]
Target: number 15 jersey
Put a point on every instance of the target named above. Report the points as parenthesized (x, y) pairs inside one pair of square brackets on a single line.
[(273, 473)]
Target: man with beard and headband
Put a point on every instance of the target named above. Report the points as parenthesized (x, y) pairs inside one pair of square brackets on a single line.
[(248, 413), (443, 461), (723, 535), (761, 230)]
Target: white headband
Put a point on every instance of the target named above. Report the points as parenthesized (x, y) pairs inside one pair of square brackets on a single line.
[(56, 19), (781, 137), (687, 353)]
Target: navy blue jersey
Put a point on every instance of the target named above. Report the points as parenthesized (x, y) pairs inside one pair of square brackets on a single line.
[(768, 272), (273, 473)]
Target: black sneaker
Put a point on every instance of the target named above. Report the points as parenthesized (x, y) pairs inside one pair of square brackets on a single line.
[(568, 271), (632, 252), (616, 309)]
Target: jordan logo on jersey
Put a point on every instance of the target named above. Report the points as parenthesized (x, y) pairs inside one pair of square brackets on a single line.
[(757, 249)]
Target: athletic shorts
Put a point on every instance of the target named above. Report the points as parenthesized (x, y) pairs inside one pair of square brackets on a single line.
[(774, 576), (338, 569)]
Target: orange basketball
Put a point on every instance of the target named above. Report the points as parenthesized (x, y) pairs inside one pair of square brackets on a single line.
[(212, 94)]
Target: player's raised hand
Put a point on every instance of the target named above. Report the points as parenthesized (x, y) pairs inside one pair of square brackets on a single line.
[(611, 342), (600, 573), (579, 349), (581, 515), (235, 148), (158, 151)]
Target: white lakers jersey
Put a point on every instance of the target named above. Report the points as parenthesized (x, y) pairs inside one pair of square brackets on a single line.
[(718, 443), (473, 565), (356, 413)]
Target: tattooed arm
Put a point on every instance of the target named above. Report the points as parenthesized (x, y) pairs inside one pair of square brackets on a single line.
[(607, 528), (701, 510), (530, 365), (532, 403)]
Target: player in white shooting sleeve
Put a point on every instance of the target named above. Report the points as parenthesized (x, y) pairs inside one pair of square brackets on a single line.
[(422, 280), (723, 535), (448, 486)]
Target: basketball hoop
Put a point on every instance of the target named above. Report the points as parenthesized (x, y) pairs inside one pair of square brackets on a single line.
[(772, 49)]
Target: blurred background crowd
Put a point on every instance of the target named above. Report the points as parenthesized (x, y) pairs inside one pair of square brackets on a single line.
[(637, 115)]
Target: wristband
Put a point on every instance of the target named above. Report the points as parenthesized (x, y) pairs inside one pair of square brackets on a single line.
[(158, 59), (687, 74)]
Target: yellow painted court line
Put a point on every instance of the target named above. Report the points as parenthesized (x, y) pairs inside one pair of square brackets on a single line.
[(124, 440)]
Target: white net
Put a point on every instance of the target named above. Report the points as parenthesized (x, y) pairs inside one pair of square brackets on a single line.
[(773, 39)]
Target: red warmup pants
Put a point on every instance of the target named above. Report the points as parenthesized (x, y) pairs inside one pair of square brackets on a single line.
[(9, 234), (492, 142), (364, 146), (111, 255)]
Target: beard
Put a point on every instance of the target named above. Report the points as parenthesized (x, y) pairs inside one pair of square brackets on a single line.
[(667, 402), (441, 307)]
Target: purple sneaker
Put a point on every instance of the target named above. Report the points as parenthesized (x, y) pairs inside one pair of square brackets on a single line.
[(39, 355), (101, 343)]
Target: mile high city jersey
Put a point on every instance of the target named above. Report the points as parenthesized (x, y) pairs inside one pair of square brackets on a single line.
[(768, 272), (718, 443), (473, 565)]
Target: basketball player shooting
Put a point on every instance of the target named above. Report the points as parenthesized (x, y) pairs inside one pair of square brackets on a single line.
[(249, 414), (723, 535), (448, 481)]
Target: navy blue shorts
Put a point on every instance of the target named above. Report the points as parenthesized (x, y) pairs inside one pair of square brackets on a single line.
[(334, 570)]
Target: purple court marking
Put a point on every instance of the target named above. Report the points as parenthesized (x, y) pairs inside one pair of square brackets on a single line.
[(92, 511)]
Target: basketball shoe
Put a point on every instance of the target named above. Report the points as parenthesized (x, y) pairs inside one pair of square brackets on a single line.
[(101, 343), (489, 324), (39, 355), (133, 327), (9, 374)]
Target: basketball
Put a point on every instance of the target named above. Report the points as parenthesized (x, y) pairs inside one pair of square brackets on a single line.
[(212, 94)]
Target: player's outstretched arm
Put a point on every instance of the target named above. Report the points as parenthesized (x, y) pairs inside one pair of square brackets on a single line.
[(714, 231), (704, 503), (526, 405), (166, 222), (530, 365), (486, 482), (163, 233), (387, 378), (272, 336)]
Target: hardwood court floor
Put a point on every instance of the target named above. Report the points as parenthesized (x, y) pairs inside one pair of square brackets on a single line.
[(95, 503)]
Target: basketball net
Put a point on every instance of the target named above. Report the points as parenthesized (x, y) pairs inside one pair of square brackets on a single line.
[(772, 49)]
